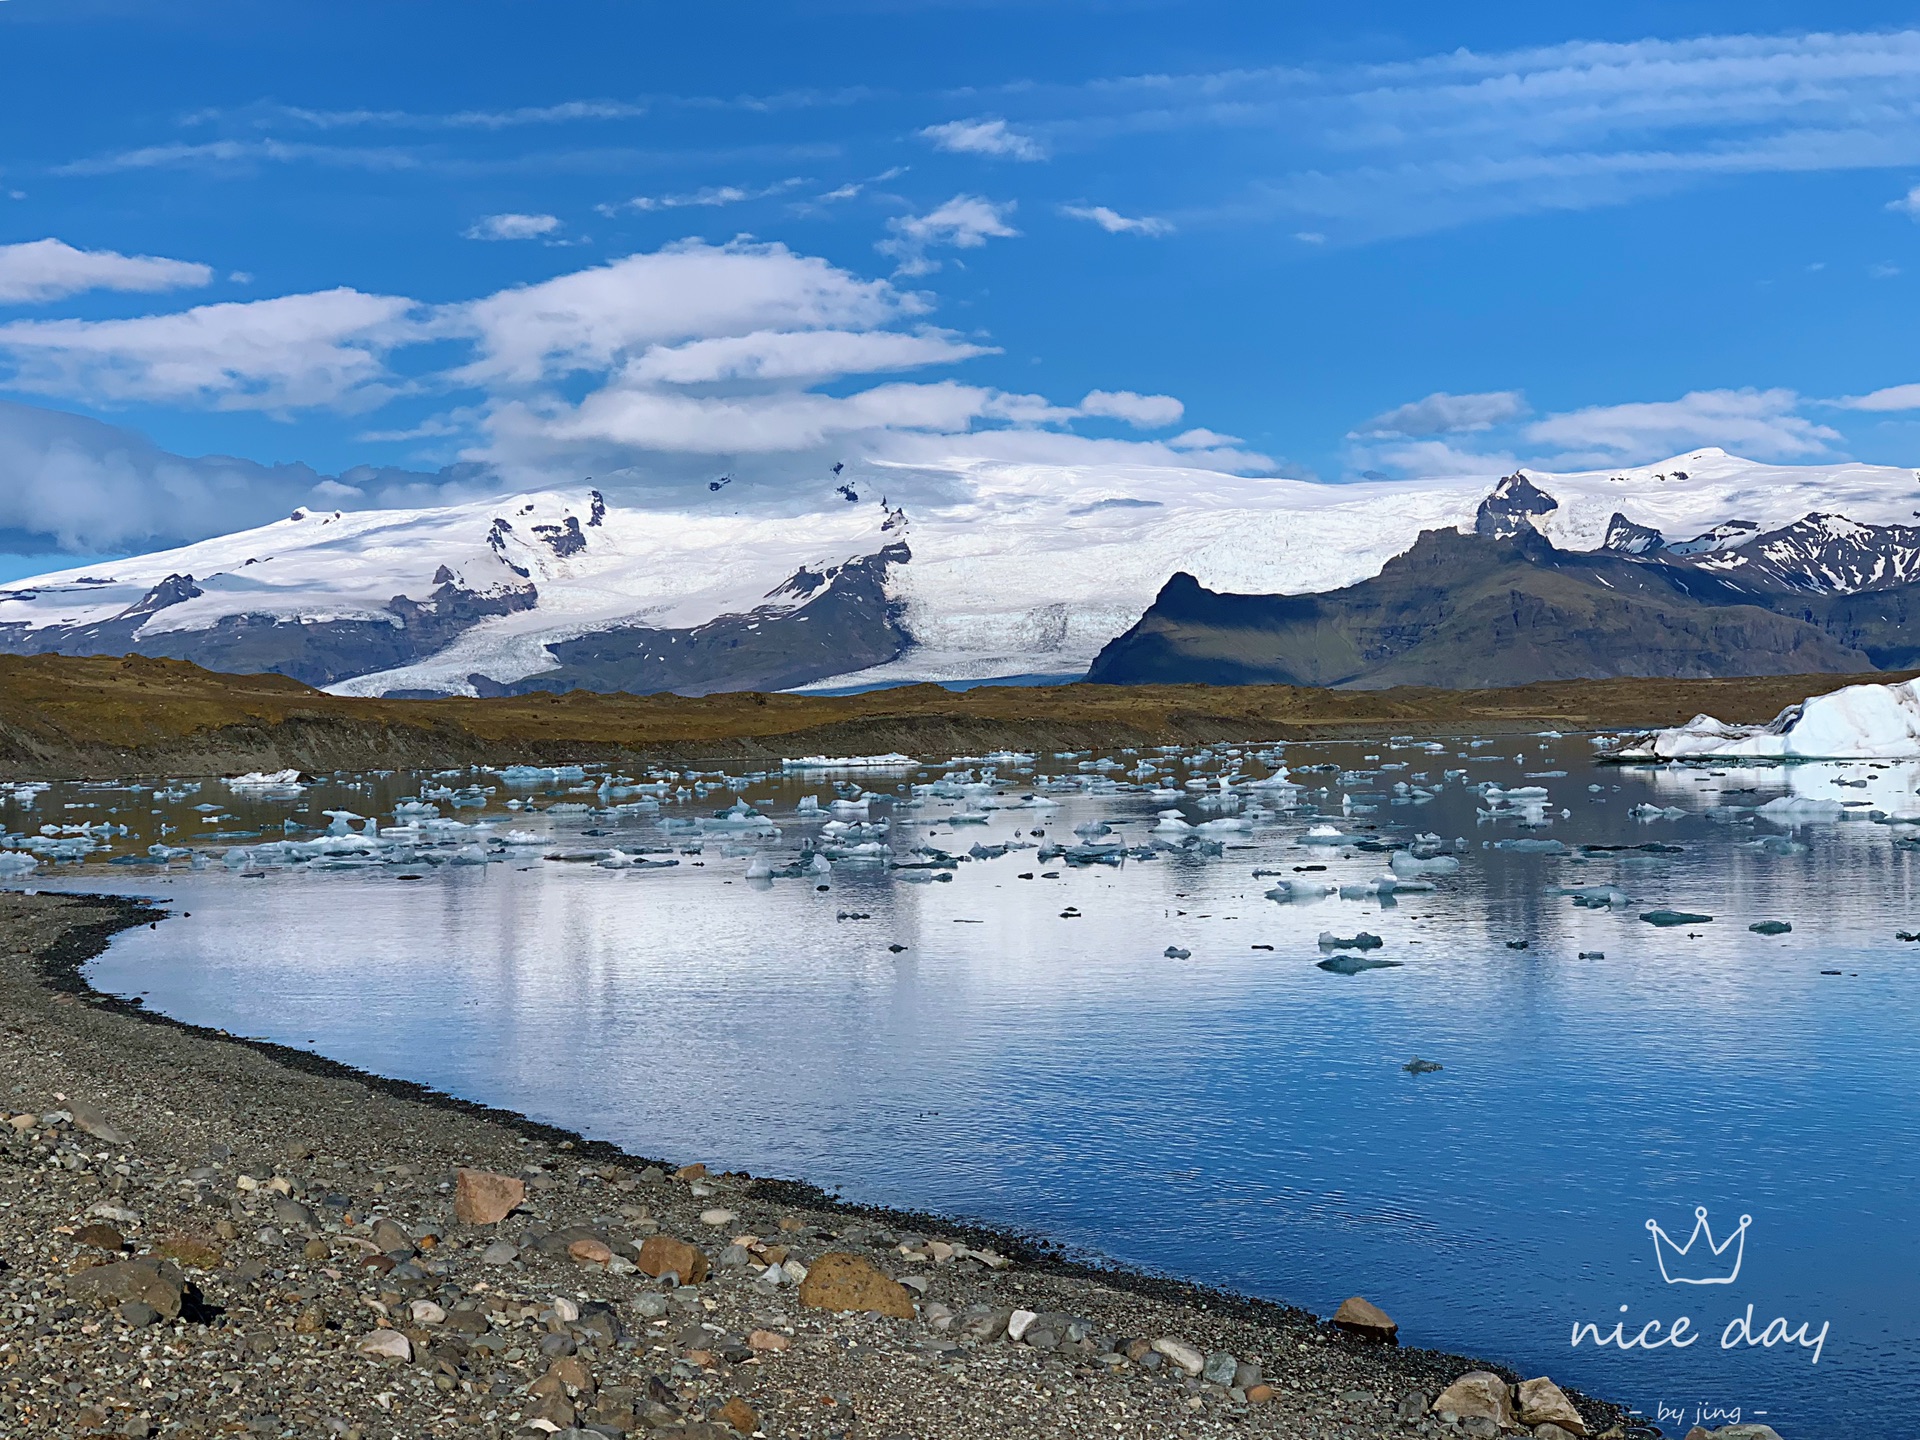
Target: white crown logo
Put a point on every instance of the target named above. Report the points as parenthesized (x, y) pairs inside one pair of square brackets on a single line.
[(1702, 1263)]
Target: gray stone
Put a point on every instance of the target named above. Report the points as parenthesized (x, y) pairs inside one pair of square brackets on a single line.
[(1181, 1354), (139, 1314), (650, 1305), (500, 1252), (291, 1213), (1412, 1406), (1221, 1368), (95, 1124), (1246, 1375)]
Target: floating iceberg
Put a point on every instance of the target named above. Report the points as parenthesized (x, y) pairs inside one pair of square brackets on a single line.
[(1859, 722), (849, 762), (284, 782)]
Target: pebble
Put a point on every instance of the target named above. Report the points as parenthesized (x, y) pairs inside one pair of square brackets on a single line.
[(481, 1197), (717, 1217)]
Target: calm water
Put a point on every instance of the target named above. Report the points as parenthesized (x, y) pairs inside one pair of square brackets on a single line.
[(1241, 1115)]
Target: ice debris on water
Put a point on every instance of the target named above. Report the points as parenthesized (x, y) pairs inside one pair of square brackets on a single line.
[(1361, 941), (1669, 918), (1771, 927), (1354, 964)]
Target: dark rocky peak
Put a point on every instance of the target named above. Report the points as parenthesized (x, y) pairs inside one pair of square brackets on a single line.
[(1630, 538), (1821, 553), (1724, 536), (896, 519), (170, 591), (598, 512), (565, 539), (1511, 507), (497, 541)]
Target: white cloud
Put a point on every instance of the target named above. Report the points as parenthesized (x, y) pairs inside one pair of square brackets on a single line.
[(711, 197), (1444, 414), (1143, 412), (599, 319), (1908, 204), (50, 269), (323, 349), (243, 154), (965, 222), (984, 137), (513, 227), (1762, 424), (1893, 397), (1114, 223)]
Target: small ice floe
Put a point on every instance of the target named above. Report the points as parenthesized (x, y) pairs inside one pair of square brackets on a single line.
[(1775, 845), (268, 784), (15, 862), (1417, 1066), (1289, 891), (1407, 864), (1657, 812)]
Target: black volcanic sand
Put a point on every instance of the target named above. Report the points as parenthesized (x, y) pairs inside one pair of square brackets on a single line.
[(274, 1179)]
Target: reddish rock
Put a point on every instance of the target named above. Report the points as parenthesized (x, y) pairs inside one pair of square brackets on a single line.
[(662, 1253), (691, 1172), (590, 1252), (481, 1197), (99, 1237), (1259, 1394), (768, 1341), (739, 1415), (838, 1281), (1364, 1318)]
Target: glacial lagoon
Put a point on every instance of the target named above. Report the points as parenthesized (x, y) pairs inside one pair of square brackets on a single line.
[(1155, 1041)]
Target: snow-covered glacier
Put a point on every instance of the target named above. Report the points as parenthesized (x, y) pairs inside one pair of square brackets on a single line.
[(1008, 570)]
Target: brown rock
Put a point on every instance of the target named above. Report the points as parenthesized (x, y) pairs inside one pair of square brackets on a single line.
[(315, 1249), (385, 1345), (838, 1281), (310, 1321), (390, 1237), (1259, 1394), (148, 1279), (691, 1172), (1552, 1432), (738, 1414), (1478, 1394), (768, 1341), (662, 1253), (1362, 1317), (791, 1224), (481, 1197), (100, 1237), (571, 1372), (589, 1251), (1541, 1402)]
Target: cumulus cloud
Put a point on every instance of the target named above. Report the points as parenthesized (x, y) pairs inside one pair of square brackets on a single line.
[(1763, 424), (39, 270), (598, 319), (1444, 414), (984, 137), (965, 222), (513, 227), (1143, 412), (295, 351), (798, 355), (1908, 204), (1114, 223), (1893, 397)]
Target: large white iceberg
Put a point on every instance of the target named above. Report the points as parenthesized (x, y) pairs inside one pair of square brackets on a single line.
[(1860, 722)]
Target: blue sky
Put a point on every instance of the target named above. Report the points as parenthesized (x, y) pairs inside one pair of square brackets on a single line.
[(433, 250)]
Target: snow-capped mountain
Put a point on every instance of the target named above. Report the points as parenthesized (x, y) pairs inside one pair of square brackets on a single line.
[(1032, 573)]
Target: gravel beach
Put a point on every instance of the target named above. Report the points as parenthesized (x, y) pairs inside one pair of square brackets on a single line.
[(201, 1235)]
